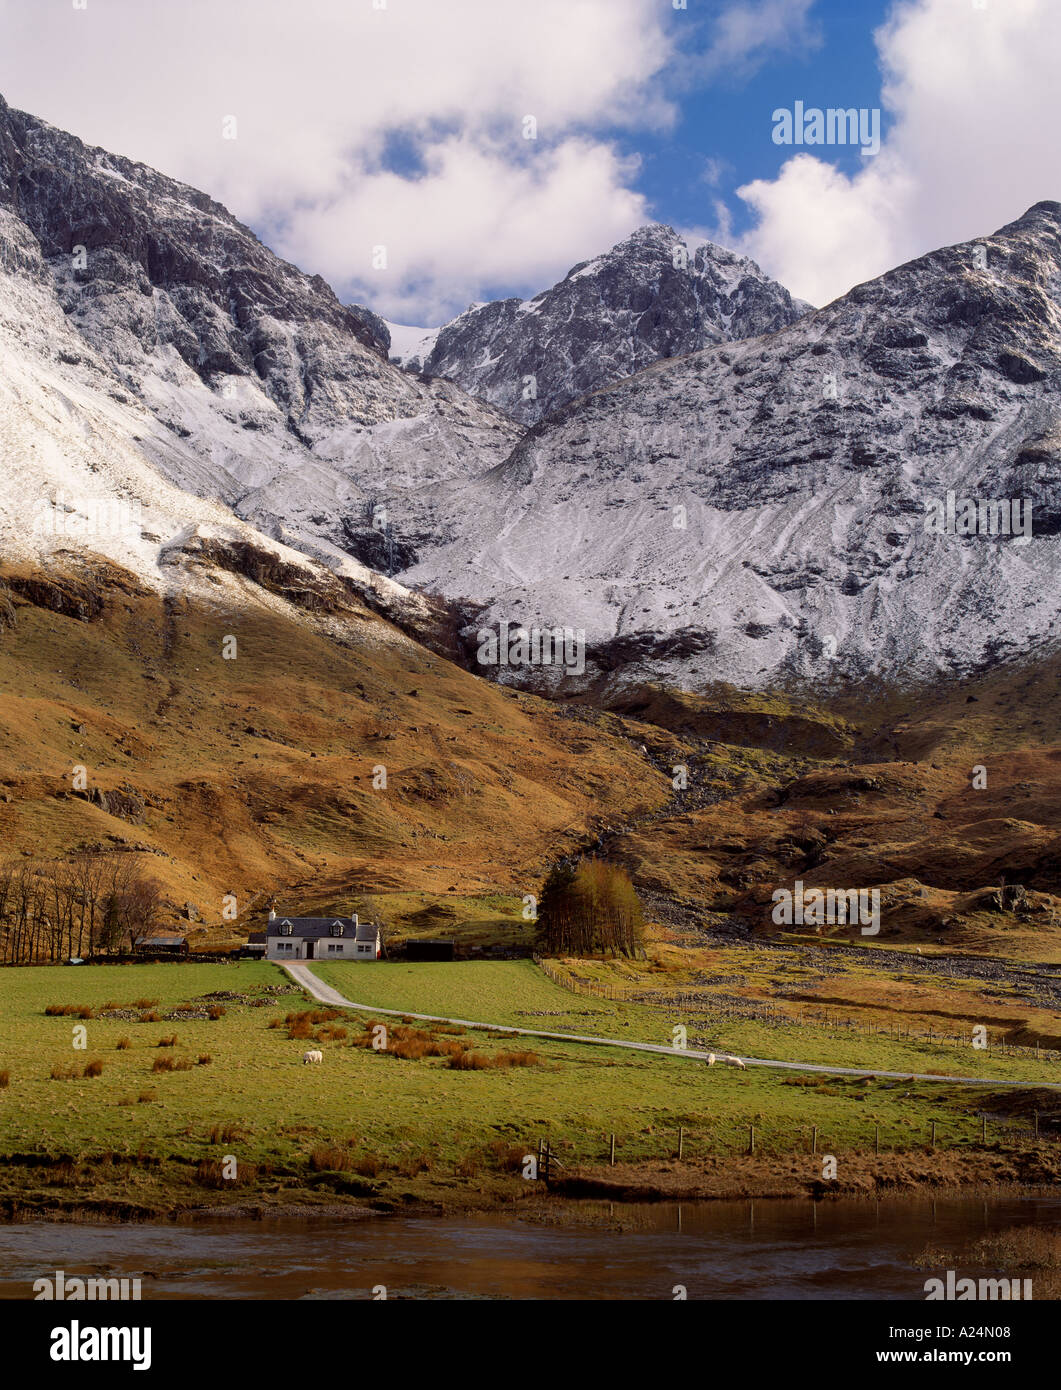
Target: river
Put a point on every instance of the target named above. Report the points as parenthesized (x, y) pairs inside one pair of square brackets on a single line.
[(846, 1249)]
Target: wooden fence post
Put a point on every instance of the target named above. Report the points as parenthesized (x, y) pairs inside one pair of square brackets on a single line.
[(681, 1141), (933, 1134), (814, 1139), (611, 1158), (751, 1139)]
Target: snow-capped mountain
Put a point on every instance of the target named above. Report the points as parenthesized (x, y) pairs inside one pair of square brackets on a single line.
[(242, 380), (647, 298), (786, 506)]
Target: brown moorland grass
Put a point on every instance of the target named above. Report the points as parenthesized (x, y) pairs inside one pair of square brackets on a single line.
[(93, 1068), (123, 1044), (5, 1080)]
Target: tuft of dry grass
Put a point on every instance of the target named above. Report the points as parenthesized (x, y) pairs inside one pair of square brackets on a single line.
[(169, 1041), (5, 1080), (227, 1134), (215, 1011), (123, 1043), (331, 1158), (172, 1064), (70, 1011), (368, 1166), (147, 1097), (144, 1003), (203, 1060), (150, 1017), (469, 1061), (211, 1173), (63, 1071), (93, 1068)]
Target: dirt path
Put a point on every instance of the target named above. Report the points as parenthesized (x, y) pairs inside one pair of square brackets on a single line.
[(325, 994)]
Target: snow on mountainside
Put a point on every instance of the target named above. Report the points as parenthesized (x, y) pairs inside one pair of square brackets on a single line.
[(758, 510), (647, 298), (263, 391), (80, 483), (410, 347)]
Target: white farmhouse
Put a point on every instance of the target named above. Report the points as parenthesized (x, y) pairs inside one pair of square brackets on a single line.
[(320, 938)]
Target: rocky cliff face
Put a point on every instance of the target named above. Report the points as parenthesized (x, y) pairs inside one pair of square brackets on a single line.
[(267, 393), (647, 298), (784, 507)]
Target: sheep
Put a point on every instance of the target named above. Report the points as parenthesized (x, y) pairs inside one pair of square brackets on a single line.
[(314, 1055), (710, 1059), (734, 1062)]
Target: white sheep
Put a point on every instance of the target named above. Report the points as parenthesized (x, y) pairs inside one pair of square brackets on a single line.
[(735, 1062), (314, 1055), (710, 1059)]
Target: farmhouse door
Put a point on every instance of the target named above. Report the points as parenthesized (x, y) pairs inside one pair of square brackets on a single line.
[(309, 950)]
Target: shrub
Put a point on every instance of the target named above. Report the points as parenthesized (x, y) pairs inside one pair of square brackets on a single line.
[(517, 1059), (330, 1158), (331, 1033), (123, 1043), (170, 1041), (413, 1167), (211, 1173), (227, 1134), (468, 1061), (93, 1068)]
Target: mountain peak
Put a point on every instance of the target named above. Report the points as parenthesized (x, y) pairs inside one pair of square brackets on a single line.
[(608, 317)]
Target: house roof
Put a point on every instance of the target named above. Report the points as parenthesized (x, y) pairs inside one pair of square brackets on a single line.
[(367, 932), (160, 941), (311, 927)]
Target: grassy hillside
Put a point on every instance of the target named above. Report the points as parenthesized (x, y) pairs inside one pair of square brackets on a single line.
[(372, 1126)]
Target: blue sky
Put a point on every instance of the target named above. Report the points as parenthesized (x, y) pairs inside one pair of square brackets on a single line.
[(398, 125), (723, 136)]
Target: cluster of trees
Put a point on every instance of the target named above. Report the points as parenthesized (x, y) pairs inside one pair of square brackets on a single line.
[(590, 909), (93, 904)]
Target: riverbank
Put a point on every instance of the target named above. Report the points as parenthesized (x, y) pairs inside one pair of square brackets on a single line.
[(169, 1196)]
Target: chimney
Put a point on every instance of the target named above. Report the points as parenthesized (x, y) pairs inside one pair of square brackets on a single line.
[(272, 914)]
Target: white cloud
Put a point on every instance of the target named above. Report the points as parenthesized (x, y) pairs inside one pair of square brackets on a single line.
[(972, 146), (321, 88), (747, 34)]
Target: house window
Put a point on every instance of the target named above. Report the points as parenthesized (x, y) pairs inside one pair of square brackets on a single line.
[(285, 945), (285, 928), (363, 949), (336, 950), (337, 929)]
